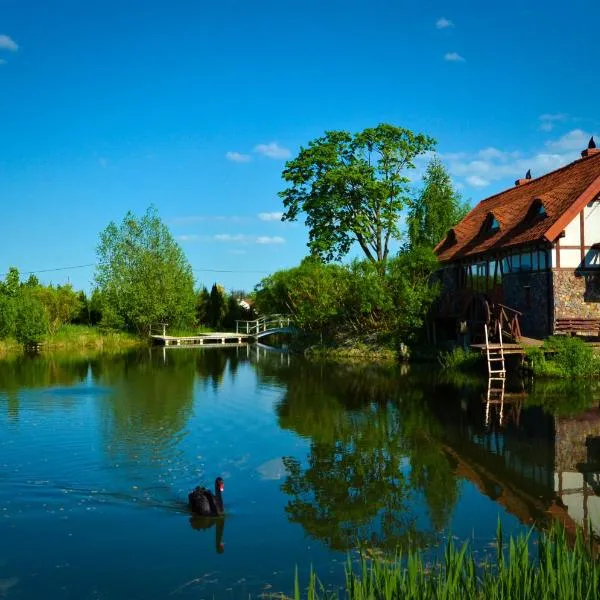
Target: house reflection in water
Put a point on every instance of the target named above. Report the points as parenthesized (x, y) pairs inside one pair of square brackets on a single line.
[(577, 467), (537, 466)]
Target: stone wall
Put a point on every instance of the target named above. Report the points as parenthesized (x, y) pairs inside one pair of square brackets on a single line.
[(529, 294), (576, 294)]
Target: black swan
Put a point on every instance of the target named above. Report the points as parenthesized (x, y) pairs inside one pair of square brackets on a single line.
[(206, 504)]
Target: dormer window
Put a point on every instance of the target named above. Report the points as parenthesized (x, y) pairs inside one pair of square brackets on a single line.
[(537, 210), (490, 225)]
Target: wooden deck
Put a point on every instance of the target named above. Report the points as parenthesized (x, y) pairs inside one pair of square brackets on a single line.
[(203, 339), (510, 347)]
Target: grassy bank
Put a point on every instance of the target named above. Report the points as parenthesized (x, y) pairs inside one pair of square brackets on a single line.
[(558, 570), (563, 357), (364, 349), (78, 337)]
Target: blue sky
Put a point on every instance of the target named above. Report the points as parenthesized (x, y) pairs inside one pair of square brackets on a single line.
[(194, 106)]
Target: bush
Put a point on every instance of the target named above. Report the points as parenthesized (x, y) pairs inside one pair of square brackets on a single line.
[(563, 356), (459, 359), (32, 320)]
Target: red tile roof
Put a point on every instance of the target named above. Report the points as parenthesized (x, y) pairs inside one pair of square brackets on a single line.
[(563, 192)]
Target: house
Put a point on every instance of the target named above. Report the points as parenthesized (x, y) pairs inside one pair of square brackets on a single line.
[(532, 251)]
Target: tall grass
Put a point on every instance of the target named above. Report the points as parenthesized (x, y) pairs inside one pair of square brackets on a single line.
[(561, 570), (564, 356), (460, 359)]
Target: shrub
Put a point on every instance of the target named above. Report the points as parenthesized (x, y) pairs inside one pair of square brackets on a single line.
[(31, 321)]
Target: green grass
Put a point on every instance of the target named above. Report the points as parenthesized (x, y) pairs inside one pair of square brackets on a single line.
[(83, 336), (564, 356), (560, 569), (459, 359)]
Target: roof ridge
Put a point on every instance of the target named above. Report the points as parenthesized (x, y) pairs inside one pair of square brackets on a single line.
[(563, 168)]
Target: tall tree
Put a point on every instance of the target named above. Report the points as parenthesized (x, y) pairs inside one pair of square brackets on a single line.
[(352, 188), (143, 276), (217, 306), (437, 208)]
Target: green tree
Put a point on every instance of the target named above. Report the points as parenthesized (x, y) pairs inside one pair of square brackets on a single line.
[(31, 320), (202, 302), (143, 275), (61, 303), (436, 209), (8, 316), (313, 293), (353, 187), (409, 279), (217, 306)]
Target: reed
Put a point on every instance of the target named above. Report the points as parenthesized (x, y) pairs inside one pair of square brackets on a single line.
[(560, 569)]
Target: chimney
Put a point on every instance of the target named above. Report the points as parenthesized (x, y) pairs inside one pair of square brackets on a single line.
[(591, 149), (524, 181)]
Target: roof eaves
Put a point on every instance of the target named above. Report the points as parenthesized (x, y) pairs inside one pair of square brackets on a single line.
[(585, 198)]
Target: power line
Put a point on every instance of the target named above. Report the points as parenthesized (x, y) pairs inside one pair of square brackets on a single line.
[(94, 264), (51, 270)]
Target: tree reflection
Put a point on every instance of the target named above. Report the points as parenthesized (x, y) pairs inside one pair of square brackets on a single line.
[(376, 450), (150, 398)]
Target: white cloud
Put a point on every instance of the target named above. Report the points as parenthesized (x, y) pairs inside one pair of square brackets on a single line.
[(272, 150), (548, 120), (477, 181), (7, 43), (265, 239), (270, 216), (576, 139), (454, 57), (237, 157), (241, 238), (443, 23), (479, 169)]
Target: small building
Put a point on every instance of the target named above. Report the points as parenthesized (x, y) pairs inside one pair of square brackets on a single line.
[(532, 251)]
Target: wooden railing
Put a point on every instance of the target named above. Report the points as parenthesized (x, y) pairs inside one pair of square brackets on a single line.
[(507, 320)]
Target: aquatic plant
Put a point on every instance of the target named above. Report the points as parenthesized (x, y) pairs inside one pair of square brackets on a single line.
[(562, 569)]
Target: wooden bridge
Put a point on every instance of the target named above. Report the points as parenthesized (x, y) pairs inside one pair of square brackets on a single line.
[(246, 332)]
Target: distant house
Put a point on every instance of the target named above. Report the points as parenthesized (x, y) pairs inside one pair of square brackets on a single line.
[(534, 248), (246, 304)]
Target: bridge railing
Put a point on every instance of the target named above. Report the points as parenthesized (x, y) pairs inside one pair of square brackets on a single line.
[(263, 323)]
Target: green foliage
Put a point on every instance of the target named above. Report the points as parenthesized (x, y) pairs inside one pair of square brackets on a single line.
[(61, 303), (143, 276), (564, 356), (459, 359), (327, 298), (31, 319), (437, 208), (562, 571), (8, 316), (352, 187), (202, 302), (217, 306), (411, 288)]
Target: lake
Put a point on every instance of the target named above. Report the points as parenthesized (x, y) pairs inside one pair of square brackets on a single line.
[(97, 457)]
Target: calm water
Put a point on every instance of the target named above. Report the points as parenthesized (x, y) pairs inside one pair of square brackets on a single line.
[(97, 457)]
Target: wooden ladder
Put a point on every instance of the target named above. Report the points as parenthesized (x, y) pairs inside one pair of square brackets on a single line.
[(495, 355)]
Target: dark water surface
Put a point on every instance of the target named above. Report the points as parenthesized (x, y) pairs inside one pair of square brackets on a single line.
[(97, 457)]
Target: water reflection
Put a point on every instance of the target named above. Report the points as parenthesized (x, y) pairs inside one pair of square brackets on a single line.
[(385, 458), (204, 523)]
